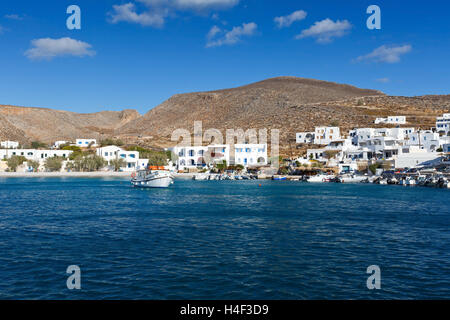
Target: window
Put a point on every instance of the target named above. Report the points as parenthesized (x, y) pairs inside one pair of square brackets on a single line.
[(132, 156)]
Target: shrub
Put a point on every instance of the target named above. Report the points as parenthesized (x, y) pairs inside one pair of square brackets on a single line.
[(54, 163), (118, 163), (15, 161), (155, 158), (38, 144), (111, 142)]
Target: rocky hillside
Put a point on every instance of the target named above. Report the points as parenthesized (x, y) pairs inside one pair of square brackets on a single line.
[(285, 103), (47, 125)]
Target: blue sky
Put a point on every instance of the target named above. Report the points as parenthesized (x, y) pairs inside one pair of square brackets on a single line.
[(137, 53)]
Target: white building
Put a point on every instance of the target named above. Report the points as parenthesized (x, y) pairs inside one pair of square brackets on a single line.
[(250, 154), (360, 136), (324, 135), (391, 120), (443, 123), (58, 144), (9, 144), (413, 156), (304, 137), (34, 154), (131, 158), (426, 139), (84, 143), (200, 156)]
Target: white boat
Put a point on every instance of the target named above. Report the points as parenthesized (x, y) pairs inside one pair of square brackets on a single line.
[(321, 178), (200, 176), (152, 179), (410, 181), (351, 178)]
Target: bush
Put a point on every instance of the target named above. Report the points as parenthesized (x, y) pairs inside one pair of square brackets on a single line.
[(54, 164), (38, 144), (15, 161), (86, 162), (118, 163), (111, 142), (155, 158)]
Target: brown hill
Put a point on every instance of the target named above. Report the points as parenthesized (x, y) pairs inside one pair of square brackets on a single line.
[(27, 124), (271, 103), (286, 103)]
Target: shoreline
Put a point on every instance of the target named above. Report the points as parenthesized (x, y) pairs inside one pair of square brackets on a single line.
[(93, 174)]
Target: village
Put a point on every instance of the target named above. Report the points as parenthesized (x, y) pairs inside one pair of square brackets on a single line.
[(362, 154)]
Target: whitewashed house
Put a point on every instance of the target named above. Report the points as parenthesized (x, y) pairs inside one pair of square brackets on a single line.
[(304, 137), (189, 157), (426, 139), (443, 123), (110, 153), (324, 135), (34, 154), (84, 143), (250, 154), (9, 144), (391, 120)]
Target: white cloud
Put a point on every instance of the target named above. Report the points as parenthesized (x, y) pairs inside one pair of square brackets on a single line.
[(286, 21), (155, 12), (13, 17), (383, 80), (386, 54), (127, 12), (213, 32), (231, 37), (47, 48), (324, 31)]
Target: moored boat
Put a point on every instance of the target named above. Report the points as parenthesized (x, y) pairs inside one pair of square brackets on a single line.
[(152, 178)]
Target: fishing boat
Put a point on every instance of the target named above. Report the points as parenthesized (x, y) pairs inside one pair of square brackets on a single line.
[(351, 178), (153, 177), (321, 178)]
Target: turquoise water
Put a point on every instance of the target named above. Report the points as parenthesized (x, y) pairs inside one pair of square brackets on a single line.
[(221, 240)]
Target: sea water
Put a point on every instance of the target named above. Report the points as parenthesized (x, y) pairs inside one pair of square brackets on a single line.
[(221, 240)]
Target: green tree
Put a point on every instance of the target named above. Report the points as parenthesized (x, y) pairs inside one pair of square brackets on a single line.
[(156, 158), (54, 164), (221, 166), (34, 164), (38, 144), (76, 151), (118, 163), (15, 161)]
